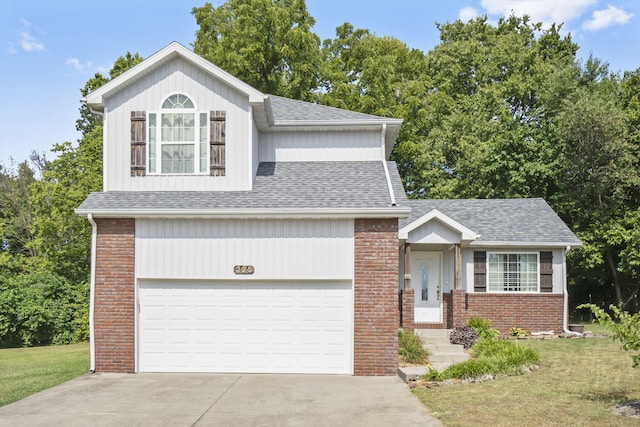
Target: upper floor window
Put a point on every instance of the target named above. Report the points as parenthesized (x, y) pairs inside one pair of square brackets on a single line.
[(178, 142), (512, 272)]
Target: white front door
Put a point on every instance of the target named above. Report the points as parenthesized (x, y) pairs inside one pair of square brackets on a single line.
[(426, 280)]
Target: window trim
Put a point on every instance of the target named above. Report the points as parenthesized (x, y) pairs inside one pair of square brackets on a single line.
[(506, 252), (196, 141)]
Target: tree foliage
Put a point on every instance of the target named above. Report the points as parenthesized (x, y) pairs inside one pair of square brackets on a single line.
[(624, 325), (267, 44)]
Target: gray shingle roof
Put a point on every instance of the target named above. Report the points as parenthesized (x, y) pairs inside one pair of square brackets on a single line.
[(500, 220), (277, 185), (285, 109)]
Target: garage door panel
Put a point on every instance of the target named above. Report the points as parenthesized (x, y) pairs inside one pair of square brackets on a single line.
[(245, 327)]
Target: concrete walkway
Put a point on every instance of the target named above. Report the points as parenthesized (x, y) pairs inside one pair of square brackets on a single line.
[(221, 400), (443, 353)]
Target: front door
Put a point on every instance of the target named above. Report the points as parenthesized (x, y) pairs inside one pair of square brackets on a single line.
[(426, 280)]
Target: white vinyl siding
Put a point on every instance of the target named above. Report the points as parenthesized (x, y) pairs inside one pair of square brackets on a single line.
[(147, 94), (277, 249), (512, 272), (320, 146), (253, 327)]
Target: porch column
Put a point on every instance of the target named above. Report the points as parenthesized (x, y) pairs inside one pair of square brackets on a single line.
[(407, 294), (457, 281)]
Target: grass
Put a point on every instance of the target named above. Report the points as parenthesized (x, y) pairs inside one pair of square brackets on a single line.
[(25, 371), (411, 348), (580, 381)]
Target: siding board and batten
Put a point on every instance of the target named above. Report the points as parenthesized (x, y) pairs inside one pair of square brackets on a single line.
[(277, 249), (208, 94)]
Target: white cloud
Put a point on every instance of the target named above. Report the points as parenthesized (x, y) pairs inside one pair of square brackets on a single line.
[(545, 11), (604, 18), (29, 43), (467, 13), (78, 65)]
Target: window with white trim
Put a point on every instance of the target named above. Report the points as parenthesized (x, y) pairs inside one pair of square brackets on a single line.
[(178, 138), (512, 272)]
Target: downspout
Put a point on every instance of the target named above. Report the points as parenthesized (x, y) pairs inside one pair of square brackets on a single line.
[(565, 317), (386, 168), (92, 289)]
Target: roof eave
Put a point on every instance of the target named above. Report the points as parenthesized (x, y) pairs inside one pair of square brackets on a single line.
[(528, 244), (275, 213)]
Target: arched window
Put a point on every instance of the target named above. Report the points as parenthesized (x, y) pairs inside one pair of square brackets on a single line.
[(178, 140)]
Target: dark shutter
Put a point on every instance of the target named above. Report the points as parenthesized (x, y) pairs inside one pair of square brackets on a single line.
[(217, 133), (546, 271), (479, 271), (138, 143)]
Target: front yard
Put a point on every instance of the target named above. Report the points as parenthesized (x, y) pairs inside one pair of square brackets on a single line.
[(580, 381), (25, 371)]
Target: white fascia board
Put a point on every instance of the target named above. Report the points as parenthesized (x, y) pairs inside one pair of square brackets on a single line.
[(467, 233), (247, 213), (96, 98), (523, 244)]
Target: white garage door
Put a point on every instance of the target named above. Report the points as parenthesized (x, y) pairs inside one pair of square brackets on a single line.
[(245, 327)]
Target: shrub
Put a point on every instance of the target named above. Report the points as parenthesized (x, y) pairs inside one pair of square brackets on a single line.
[(39, 308), (482, 327), (517, 332), (489, 356), (411, 347), (463, 335)]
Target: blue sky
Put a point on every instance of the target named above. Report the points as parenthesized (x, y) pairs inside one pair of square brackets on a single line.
[(49, 49)]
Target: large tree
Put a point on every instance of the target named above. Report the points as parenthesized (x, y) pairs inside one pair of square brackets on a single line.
[(266, 43), (61, 238)]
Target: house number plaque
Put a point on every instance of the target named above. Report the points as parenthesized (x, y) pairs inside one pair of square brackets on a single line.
[(243, 269)]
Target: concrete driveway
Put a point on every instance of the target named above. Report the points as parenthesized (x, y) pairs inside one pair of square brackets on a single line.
[(221, 400)]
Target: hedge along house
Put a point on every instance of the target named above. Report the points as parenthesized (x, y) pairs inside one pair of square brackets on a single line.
[(244, 232), (501, 259)]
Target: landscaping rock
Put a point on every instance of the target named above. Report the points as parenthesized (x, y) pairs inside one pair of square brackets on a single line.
[(629, 409)]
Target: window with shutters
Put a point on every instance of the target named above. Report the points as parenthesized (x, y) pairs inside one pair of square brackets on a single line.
[(512, 272), (181, 139)]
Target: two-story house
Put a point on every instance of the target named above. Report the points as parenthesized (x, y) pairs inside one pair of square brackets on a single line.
[(244, 232)]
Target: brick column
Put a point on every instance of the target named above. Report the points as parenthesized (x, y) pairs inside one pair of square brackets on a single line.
[(407, 314), (458, 302), (376, 316), (114, 310)]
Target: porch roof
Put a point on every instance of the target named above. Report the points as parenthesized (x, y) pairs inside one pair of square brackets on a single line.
[(498, 222)]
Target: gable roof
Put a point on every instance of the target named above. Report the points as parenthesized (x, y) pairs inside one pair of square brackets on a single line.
[(500, 222), (280, 189), (95, 99), (465, 233)]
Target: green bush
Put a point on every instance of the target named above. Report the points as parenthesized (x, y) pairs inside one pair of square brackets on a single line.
[(482, 327), (489, 356), (40, 308), (411, 347)]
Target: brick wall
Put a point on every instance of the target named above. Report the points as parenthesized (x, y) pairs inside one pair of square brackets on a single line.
[(532, 312), (407, 314), (114, 311), (376, 316)]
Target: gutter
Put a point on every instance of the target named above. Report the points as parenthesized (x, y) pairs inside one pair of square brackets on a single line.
[(385, 167), (565, 317), (274, 213), (92, 293)]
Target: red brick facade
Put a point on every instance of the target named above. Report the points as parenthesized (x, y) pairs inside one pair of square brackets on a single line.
[(114, 311), (531, 312), (407, 305), (376, 316)]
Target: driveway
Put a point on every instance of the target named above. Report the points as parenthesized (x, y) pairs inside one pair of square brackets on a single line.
[(221, 400)]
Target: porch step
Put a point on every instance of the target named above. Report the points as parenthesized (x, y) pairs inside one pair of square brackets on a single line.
[(443, 353)]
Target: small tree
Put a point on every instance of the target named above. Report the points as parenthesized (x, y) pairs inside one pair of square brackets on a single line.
[(625, 328)]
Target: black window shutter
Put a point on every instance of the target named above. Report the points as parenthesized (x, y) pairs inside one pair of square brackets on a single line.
[(546, 271), (138, 143), (217, 140), (479, 271)]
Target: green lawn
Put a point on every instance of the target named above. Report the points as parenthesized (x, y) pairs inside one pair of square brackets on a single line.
[(25, 371), (580, 381)]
